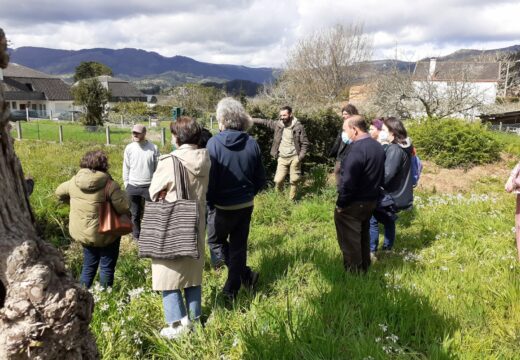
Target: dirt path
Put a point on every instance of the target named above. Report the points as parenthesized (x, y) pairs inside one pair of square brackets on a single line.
[(457, 180)]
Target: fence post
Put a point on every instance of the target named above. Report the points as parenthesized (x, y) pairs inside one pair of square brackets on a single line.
[(19, 129), (211, 122), (500, 126), (122, 123), (60, 129), (107, 130), (163, 137)]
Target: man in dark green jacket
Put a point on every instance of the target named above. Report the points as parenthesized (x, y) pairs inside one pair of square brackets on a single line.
[(290, 145)]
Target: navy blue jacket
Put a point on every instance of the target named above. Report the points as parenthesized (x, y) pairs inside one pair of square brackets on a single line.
[(237, 172), (362, 172)]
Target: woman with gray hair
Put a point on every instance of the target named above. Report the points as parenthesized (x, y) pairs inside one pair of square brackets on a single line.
[(236, 176)]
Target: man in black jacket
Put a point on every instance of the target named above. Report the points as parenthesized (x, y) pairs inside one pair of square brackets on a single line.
[(362, 174)]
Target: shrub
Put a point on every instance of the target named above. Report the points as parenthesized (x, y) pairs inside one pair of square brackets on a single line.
[(321, 127), (454, 143)]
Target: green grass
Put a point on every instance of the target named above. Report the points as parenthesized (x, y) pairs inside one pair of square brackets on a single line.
[(450, 289)]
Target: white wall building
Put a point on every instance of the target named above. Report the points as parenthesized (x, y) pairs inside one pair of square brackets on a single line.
[(26, 88)]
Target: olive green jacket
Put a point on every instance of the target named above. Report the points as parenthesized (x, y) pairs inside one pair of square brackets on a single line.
[(85, 192)]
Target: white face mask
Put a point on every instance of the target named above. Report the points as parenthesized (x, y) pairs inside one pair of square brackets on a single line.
[(345, 138), (383, 136)]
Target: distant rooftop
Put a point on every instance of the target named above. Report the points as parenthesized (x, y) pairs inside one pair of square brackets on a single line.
[(457, 71), (20, 71)]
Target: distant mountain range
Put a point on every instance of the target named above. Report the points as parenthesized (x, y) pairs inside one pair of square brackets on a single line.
[(135, 64), (151, 71)]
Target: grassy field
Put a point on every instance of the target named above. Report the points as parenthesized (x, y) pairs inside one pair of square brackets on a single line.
[(449, 289), (47, 130)]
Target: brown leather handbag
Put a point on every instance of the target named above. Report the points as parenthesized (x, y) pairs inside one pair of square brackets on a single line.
[(110, 222)]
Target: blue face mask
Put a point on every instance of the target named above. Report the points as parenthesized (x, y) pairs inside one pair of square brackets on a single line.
[(345, 137)]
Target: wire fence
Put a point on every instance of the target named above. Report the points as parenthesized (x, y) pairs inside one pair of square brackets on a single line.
[(109, 134), (514, 128), (117, 130)]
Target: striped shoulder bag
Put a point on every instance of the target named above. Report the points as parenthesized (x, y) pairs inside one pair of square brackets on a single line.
[(169, 230)]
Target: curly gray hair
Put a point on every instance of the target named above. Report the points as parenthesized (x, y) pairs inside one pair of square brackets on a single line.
[(232, 115)]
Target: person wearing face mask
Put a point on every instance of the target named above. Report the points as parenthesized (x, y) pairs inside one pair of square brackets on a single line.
[(376, 131), (340, 147), (139, 163), (398, 183)]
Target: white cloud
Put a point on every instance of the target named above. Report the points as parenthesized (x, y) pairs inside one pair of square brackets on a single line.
[(259, 32)]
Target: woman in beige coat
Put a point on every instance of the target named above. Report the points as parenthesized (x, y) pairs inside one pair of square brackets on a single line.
[(173, 277)]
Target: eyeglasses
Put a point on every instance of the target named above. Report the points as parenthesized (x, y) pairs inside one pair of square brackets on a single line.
[(135, 133)]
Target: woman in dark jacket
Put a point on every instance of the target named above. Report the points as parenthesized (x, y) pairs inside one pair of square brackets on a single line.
[(397, 183)]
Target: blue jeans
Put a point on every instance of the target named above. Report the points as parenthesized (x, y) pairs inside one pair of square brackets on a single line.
[(389, 226), (175, 308), (105, 258)]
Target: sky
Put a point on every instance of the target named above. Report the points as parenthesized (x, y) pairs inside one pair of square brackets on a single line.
[(259, 33)]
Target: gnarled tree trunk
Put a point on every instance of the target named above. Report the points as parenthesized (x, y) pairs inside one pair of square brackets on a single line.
[(45, 314)]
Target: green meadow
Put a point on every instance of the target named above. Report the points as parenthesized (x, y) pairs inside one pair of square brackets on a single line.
[(450, 289)]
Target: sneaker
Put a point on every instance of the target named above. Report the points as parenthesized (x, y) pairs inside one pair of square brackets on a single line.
[(177, 329)]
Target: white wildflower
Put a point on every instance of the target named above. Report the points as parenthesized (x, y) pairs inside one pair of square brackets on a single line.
[(135, 293), (383, 327)]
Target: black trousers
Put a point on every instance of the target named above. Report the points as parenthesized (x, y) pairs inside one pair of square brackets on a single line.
[(137, 195), (352, 229), (232, 232), (215, 248)]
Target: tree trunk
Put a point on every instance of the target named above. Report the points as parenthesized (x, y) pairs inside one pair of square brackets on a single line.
[(45, 313)]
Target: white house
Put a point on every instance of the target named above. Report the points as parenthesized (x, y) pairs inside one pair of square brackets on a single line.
[(26, 88), (477, 81)]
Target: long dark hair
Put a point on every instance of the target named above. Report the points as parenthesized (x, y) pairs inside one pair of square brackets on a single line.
[(396, 127)]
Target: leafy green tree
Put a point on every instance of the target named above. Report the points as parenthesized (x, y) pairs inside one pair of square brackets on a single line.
[(93, 96), (90, 69)]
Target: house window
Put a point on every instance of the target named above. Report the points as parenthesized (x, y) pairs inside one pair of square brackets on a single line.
[(44, 107), (13, 105), (22, 106), (29, 86), (34, 107)]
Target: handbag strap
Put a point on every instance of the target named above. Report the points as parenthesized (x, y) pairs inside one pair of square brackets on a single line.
[(181, 179), (107, 187)]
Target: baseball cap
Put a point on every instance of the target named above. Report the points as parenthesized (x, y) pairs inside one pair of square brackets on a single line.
[(138, 128)]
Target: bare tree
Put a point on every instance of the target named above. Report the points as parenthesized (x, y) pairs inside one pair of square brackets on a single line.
[(408, 95), (322, 66), (44, 312)]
